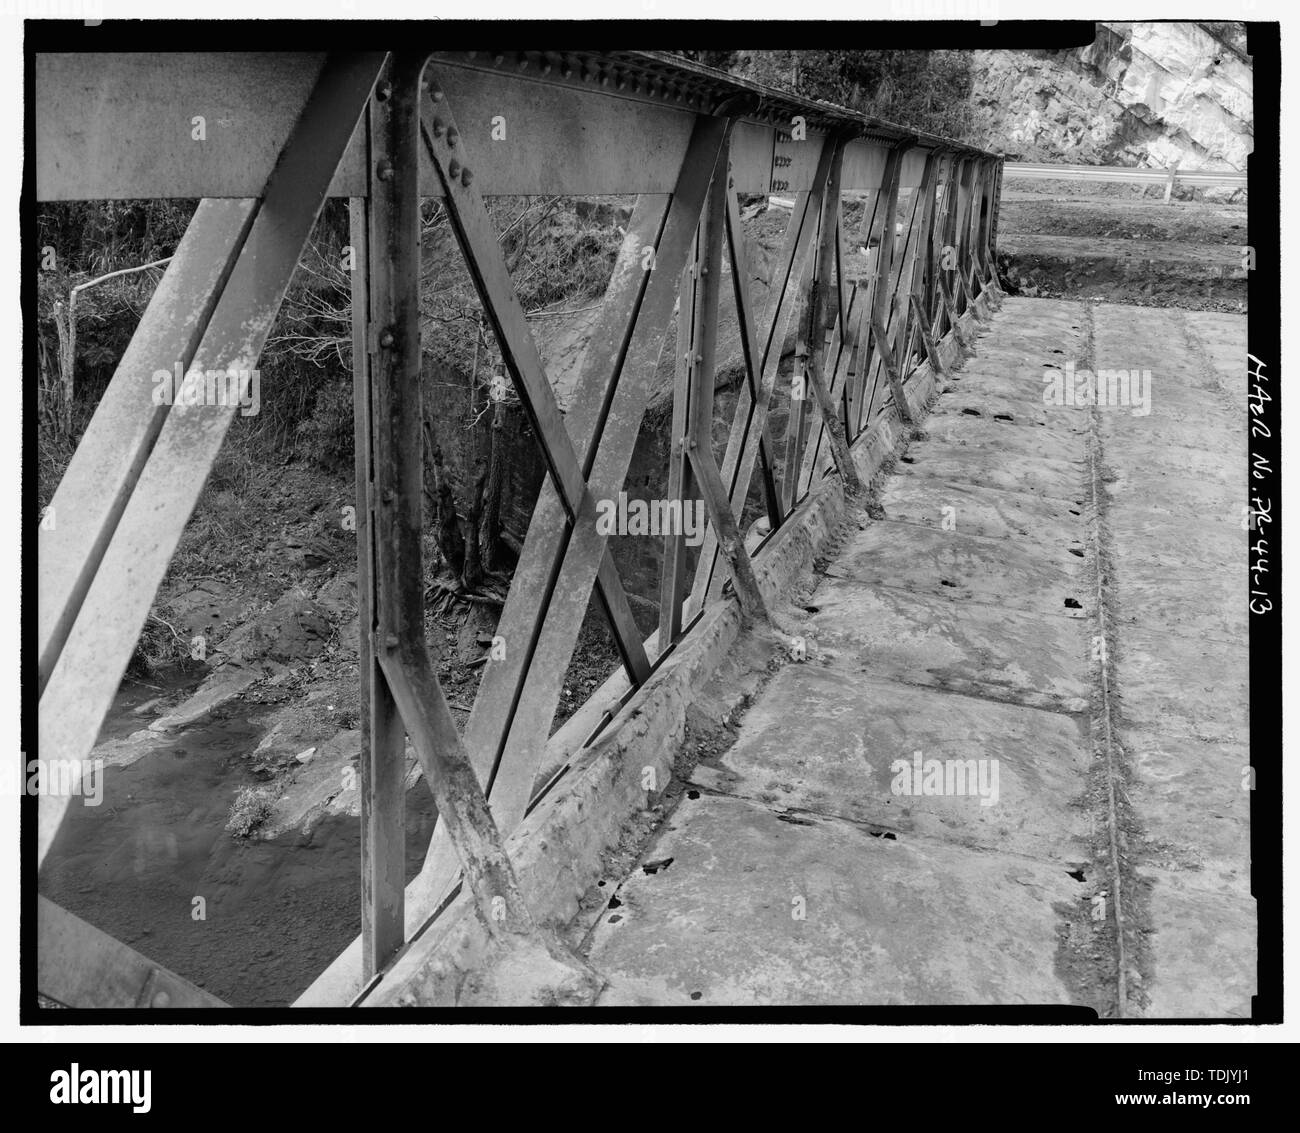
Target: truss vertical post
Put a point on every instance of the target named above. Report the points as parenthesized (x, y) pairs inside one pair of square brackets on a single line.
[(961, 243), (757, 386), (375, 280), (794, 426), (699, 416), (997, 211), (672, 583), (387, 355), (949, 252), (822, 318), (874, 315), (749, 430)]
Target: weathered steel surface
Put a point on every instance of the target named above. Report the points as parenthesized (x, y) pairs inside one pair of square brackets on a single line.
[(703, 349), (822, 315), (282, 138), (502, 735), (385, 270), (121, 125), (91, 664), (749, 425), (487, 267), (672, 575)]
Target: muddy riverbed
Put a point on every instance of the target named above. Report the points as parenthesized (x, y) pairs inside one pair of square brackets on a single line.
[(252, 921)]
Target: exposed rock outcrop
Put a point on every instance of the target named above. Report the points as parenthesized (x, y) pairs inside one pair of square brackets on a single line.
[(1151, 94)]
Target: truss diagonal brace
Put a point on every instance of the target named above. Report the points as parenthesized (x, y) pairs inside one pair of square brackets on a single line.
[(396, 423), (487, 267), (704, 348), (927, 339), (823, 317), (891, 369), (90, 666), (502, 735)]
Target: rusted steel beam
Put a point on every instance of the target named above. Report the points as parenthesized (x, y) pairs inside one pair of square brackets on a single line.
[(923, 263), (997, 209), (932, 296), (462, 807), (927, 338), (77, 965), (503, 735), (672, 581), (755, 362), (487, 267), (397, 423), (952, 202), (98, 481), (798, 423), (859, 361), (106, 123), (964, 289), (897, 307), (798, 412), (548, 534), (841, 356), (822, 317), (385, 269), (912, 274), (961, 244), (891, 370), (702, 349), (90, 667), (742, 444), (883, 227), (950, 307)]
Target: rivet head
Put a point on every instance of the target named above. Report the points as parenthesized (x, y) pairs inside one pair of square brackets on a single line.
[(385, 171), (466, 177), (392, 641), (389, 495), (454, 169), (439, 127), (384, 92), (453, 135), (160, 999), (386, 339)]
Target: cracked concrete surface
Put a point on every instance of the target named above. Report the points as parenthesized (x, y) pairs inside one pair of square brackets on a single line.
[(807, 865)]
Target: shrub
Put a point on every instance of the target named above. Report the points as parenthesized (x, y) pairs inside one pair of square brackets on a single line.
[(251, 808)]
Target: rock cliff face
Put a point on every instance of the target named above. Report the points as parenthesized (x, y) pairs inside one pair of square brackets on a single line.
[(1149, 94)]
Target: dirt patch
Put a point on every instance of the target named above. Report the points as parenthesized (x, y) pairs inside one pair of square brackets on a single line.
[(1186, 254)]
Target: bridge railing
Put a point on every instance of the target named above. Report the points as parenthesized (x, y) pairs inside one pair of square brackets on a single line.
[(385, 130)]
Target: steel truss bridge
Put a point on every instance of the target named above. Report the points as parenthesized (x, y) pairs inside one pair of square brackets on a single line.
[(286, 131)]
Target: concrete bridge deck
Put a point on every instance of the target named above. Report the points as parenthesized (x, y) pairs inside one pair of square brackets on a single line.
[(1055, 593)]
